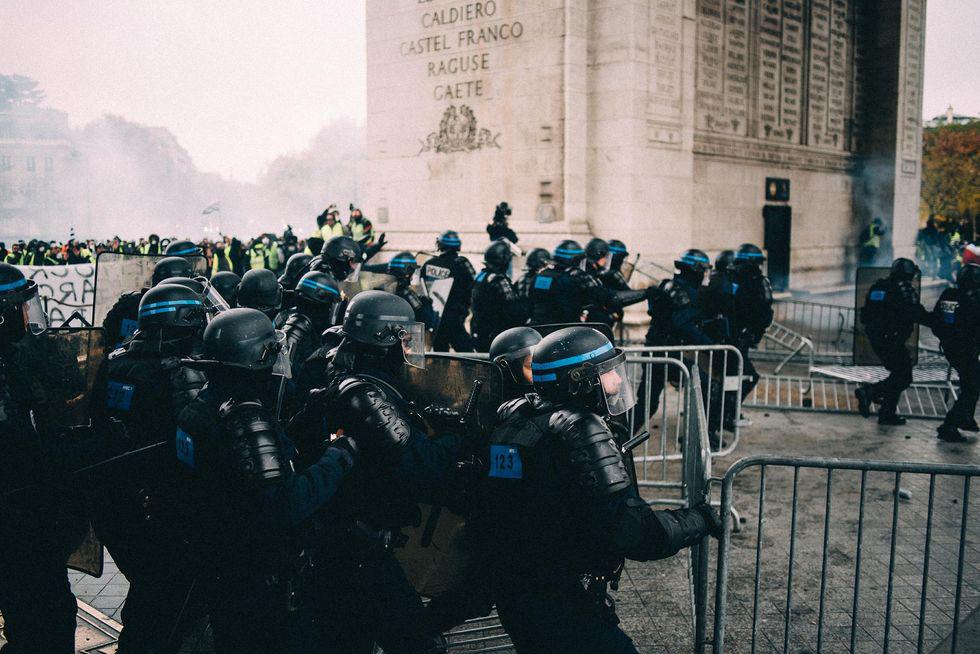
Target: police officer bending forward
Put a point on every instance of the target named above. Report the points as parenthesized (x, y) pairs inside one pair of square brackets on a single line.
[(559, 506)]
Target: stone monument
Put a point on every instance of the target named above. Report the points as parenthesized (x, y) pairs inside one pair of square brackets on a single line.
[(666, 123)]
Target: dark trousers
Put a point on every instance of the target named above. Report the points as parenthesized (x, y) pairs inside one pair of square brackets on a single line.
[(250, 616), (358, 605), (895, 357), (160, 576), (35, 597), (653, 379), (452, 333), (968, 368), (469, 598), (566, 620)]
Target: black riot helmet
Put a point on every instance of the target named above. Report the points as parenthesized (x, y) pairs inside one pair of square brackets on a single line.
[(383, 320), (243, 340), (511, 350), (259, 289), (619, 253), (693, 264), (171, 306), (226, 283), (317, 287), (403, 265), (903, 270), (568, 253), (579, 365), (448, 241), (749, 254), (214, 302), (725, 260), (497, 256), (537, 259), (171, 267), (21, 309), (597, 254), (296, 266), (182, 249), (968, 279), (339, 256)]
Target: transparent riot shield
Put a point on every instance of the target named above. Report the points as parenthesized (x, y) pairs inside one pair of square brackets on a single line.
[(368, 281), (435, 556), (117, 273), (864, 354), (58, 370)]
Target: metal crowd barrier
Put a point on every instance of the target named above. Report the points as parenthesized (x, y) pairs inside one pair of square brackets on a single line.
[(797, 345), (898, 575), (830, 328)]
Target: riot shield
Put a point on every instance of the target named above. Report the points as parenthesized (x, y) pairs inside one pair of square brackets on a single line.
[(59, 368), (629, 267), (864, 354), (63, 364), (368, 281), (117, 273), (435, 558)]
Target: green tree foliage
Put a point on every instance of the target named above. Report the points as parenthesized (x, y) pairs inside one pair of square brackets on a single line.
[(18, 91), (951, 171)]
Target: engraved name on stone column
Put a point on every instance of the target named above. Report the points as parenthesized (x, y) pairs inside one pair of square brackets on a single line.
[(819, 78), (911, 105), (721, 99), (839, 69), (664, 95), (790, 106), (770, 41)]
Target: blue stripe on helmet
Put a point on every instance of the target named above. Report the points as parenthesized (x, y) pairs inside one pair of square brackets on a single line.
[(20, 283), (568, 252), (545, 377), (451, 241), (616, 248), (693, 260), (749, 255), (153, 312), (312, 284), (171, 303), (561, 363), (180, 253)]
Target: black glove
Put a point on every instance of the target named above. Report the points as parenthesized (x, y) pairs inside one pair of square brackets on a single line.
[(711, 519), (442, 418), (348, 449)]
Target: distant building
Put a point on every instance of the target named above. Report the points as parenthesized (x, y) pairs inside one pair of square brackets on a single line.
[(949, 118), (36, 196)]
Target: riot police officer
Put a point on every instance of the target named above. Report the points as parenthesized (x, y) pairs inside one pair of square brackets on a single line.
[(559, 505), (363, 593), (122, 319), (563, 291), (536, 259), (247, 505), (751, 308), (511, 350), (339, 256), (315, 296), (296, 266), (496, 306), (402, 267), (226, 283), (451, 330), (674, 320), (716, 300), (183, 248), (614, 277), (260, 290), (954, 320), (891, 309), (136, 510), (35, 597)]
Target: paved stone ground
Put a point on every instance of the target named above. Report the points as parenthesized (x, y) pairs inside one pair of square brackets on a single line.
[(654, 601)]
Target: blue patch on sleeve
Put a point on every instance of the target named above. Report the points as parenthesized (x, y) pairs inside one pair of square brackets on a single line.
[(481, 276), (126, 328), (949, 317), (734, 288), (505, 462), (877, 296), (542, 283), (185, 448), (119, 396)]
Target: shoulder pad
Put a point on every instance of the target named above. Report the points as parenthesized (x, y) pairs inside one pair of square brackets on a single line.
[(511, 408), (365, 408), (256, 453), (678, 296), (595, 460)]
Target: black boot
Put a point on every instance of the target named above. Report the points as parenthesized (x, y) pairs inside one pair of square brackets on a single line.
[(951, 434), (864, 398), (890, 419), (969, 424)]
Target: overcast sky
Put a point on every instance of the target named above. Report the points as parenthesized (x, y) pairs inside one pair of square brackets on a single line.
[(242, 81)]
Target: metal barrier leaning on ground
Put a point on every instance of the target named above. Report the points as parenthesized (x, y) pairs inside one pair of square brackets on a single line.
[(911, 573)]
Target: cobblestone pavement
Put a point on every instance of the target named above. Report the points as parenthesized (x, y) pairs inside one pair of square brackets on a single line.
[(654, 601)]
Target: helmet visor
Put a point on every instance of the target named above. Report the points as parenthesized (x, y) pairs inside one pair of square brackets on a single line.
[(617, 389), (412, 336), (213, 301), (517, 365), (281, 365), (35, 320)]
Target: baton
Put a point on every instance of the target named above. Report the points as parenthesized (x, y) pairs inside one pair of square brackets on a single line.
[(634, 442)]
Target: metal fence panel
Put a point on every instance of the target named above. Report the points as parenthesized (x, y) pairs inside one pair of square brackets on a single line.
[(886, 561)]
